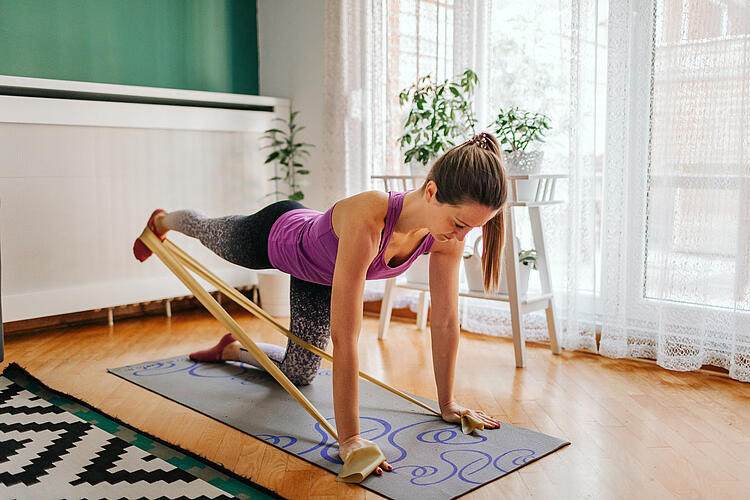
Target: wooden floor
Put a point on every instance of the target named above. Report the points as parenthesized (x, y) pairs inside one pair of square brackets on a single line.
[(637, 430)]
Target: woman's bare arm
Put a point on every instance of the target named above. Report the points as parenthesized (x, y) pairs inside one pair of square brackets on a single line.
[(444, 326), (445, 260), (358, 246)]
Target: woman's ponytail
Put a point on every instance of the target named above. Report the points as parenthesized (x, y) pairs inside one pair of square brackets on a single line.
[(493, 236)]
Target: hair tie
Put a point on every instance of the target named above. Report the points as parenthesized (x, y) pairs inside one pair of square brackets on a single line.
[(481, 140)]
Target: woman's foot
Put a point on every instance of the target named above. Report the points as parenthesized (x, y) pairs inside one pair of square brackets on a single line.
[(156, 225), (228, 349), (159, 228)]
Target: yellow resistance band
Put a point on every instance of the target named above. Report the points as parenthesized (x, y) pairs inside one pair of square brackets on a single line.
[(361, 462)]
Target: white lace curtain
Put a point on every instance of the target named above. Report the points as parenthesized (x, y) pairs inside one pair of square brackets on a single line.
[(355, 95), (649, 108), (677, 185)]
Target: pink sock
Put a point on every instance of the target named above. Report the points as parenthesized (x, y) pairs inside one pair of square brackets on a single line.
[(213, 354)]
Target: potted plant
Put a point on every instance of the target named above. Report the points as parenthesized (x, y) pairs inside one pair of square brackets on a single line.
[(438, 114), (286, 155), (475, 277), (516, 129)]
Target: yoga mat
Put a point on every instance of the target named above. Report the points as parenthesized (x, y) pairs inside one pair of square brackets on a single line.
[(430, 458)]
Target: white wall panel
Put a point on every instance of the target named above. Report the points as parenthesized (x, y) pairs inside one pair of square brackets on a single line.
[(74, 196)]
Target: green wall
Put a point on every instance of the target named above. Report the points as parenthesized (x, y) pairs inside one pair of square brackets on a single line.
[(186, 44)]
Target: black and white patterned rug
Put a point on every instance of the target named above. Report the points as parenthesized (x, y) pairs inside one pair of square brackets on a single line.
[(54, 446)]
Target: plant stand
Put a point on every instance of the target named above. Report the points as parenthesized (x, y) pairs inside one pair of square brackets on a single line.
[(519, 305)]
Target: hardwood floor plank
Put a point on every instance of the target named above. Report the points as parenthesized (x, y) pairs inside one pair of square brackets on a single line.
[(250, 458), (272, 469), (322, 484), (296, 484), (510, 486)]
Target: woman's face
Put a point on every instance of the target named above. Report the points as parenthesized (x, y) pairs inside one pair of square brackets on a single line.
[(447, 222)]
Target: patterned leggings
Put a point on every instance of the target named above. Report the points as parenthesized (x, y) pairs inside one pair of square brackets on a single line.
[(243, 240)]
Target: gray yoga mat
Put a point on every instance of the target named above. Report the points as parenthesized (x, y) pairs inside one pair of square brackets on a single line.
[(430, 458)]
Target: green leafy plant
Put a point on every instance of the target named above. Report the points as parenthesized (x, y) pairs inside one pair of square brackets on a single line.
[(439, 113), (516, 129), (287, 155)]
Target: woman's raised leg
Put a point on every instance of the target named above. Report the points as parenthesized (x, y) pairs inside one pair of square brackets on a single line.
[(232, 237), (240, 239)]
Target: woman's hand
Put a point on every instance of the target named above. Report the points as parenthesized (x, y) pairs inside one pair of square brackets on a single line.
[(354, 443), (452, 412)]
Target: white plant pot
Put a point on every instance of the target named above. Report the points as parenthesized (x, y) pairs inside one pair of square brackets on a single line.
[(419, 272), (526, 189), (524, 163), (273, 288), (475, 277), (524, 271)]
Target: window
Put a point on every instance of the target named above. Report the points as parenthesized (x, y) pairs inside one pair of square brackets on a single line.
[(697, 237)]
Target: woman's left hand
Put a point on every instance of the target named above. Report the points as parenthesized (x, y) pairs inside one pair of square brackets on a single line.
[(452, 412)]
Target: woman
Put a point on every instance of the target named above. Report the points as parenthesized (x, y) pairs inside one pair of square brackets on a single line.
[(371, 235)]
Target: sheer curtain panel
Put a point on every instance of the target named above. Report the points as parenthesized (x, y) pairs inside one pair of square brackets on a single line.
[(677, 185)]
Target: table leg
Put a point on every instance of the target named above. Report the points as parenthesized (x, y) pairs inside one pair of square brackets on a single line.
[(544, 276), (511, 272), (386, 307)]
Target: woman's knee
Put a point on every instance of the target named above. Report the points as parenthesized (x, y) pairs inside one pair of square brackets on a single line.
[(300, 365), (302, 378), (301, 368)]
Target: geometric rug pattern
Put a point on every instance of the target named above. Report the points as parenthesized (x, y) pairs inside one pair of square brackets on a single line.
[(53, 446)]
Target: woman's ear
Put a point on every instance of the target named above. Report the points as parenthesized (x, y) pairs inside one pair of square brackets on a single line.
[(430, 191)]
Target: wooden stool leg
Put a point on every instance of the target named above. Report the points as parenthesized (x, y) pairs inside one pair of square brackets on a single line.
[(422, 311), (544, 277), (511, 274), (386, 307)]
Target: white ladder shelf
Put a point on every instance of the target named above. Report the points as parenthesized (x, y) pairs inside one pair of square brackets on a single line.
[(544, 195)]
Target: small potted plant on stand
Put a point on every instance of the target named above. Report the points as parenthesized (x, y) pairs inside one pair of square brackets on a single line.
[(516, 130), (475, 277), (286, 155), (438, 114)]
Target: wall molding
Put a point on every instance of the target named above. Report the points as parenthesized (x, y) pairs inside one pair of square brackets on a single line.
[(63, 102)]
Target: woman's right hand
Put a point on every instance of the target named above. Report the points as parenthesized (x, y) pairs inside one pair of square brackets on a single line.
[(452, 412), (354, 443)]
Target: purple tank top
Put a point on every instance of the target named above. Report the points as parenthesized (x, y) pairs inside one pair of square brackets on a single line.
[(303, 244)]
